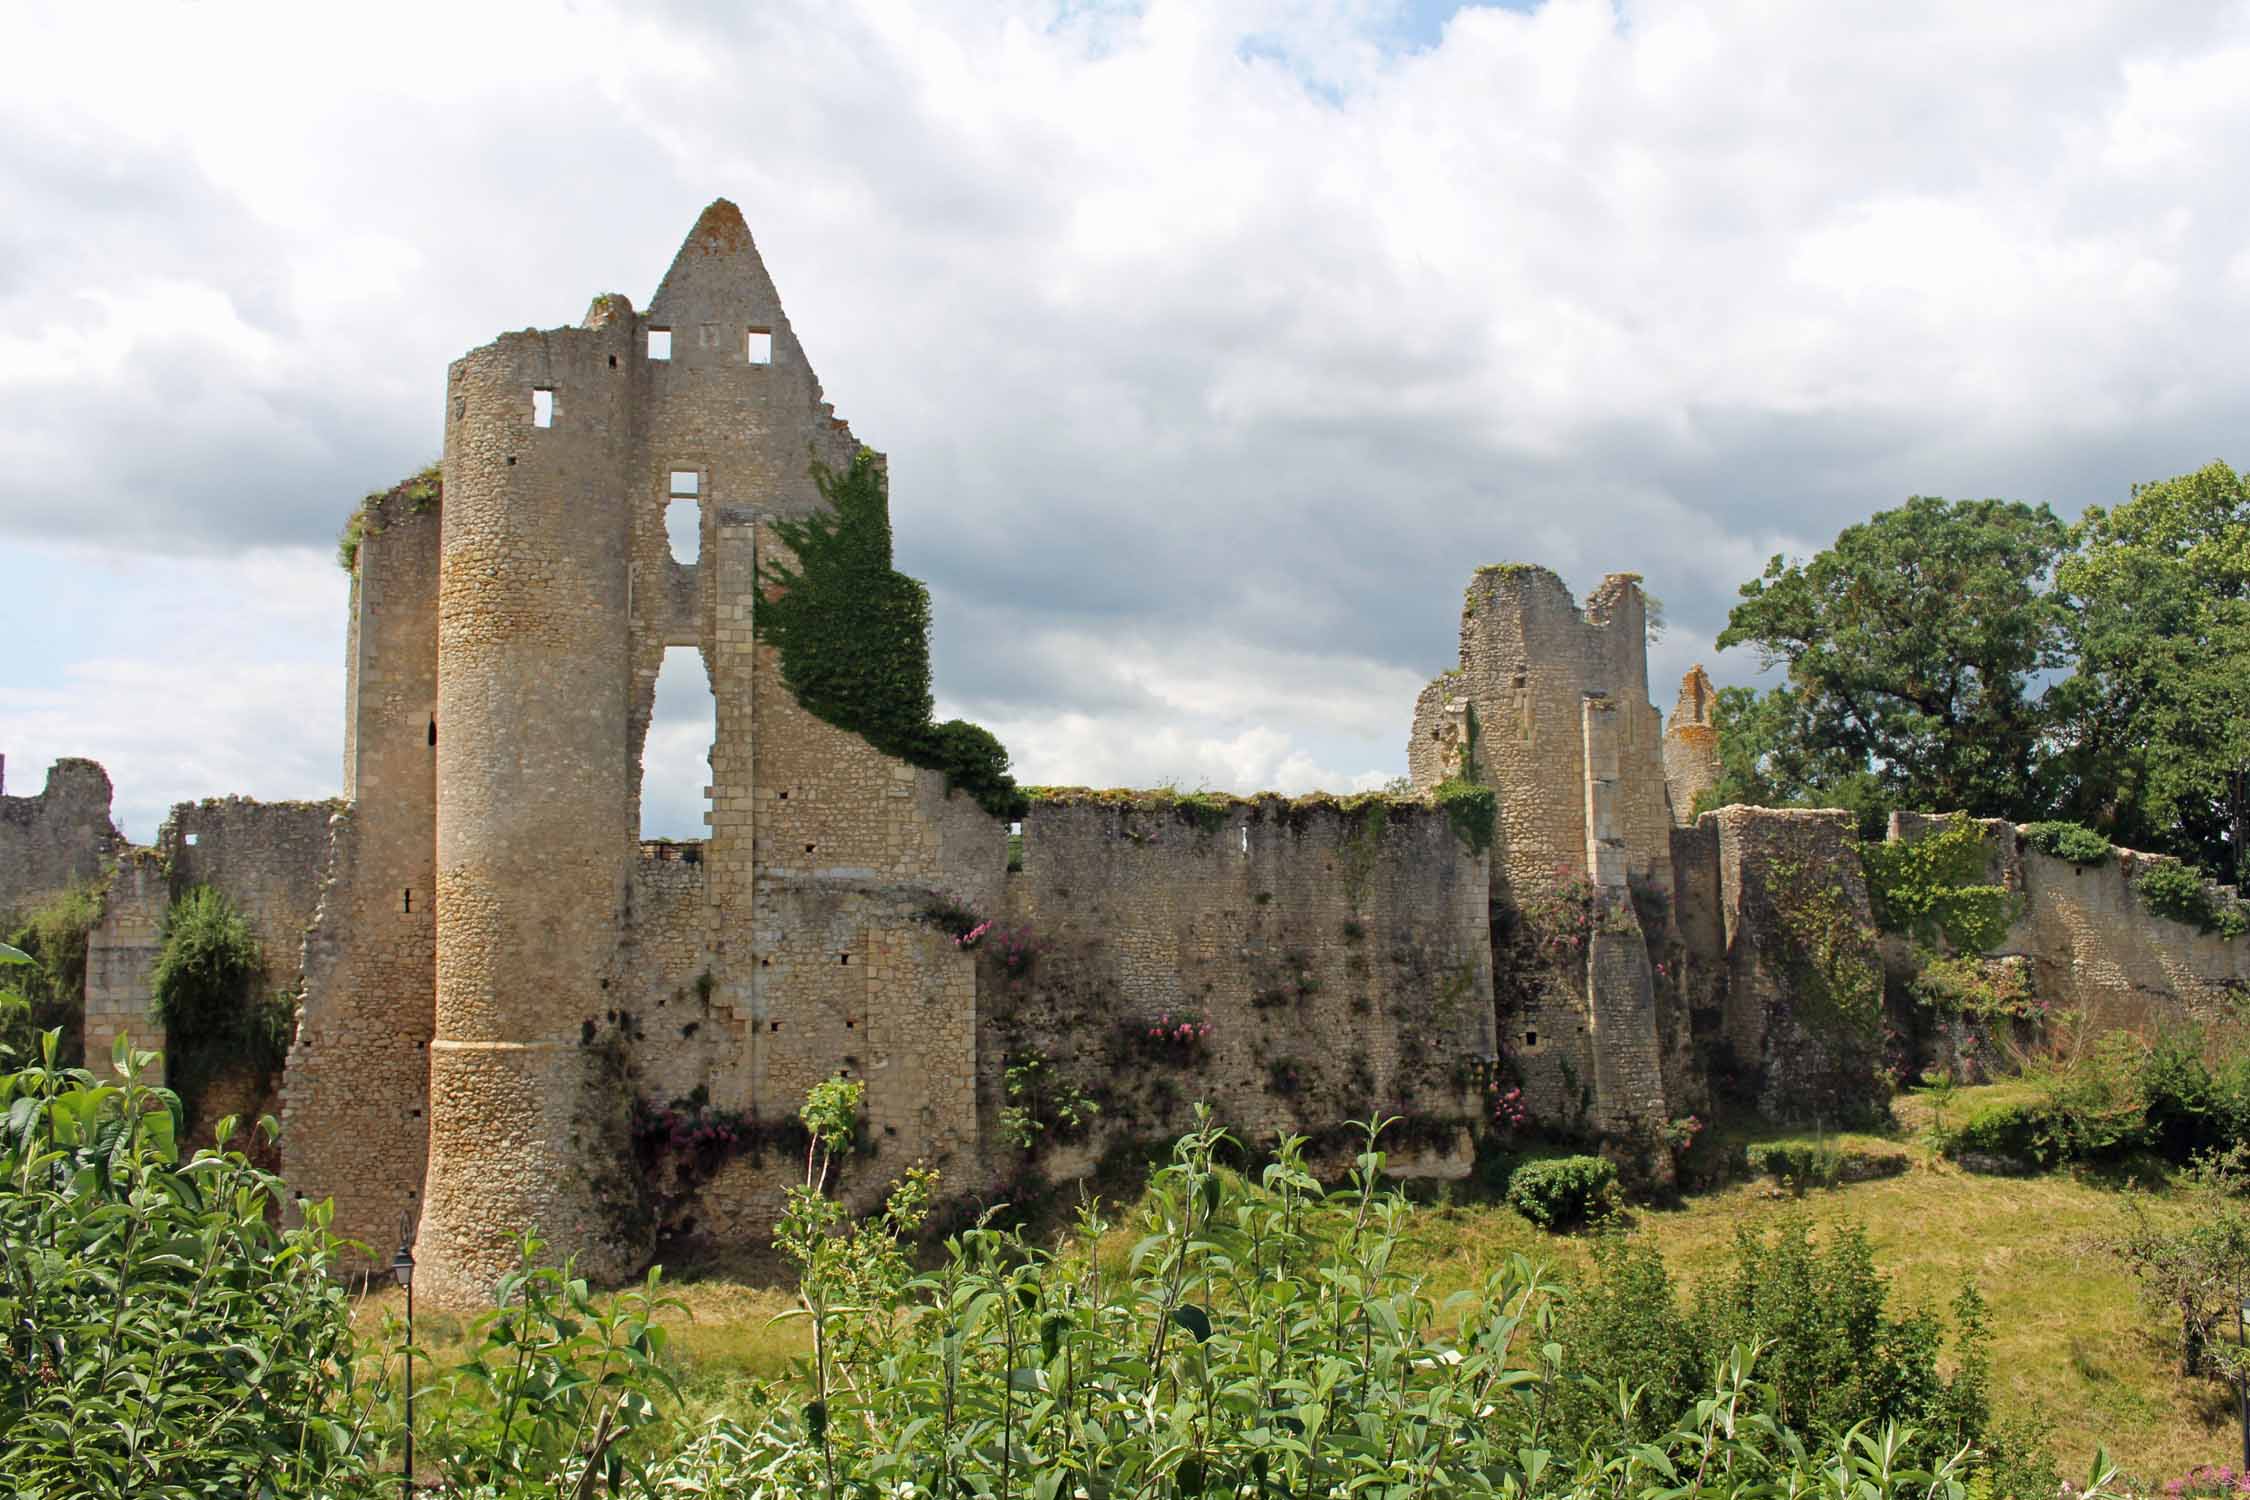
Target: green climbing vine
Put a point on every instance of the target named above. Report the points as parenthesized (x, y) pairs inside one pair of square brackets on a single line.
[(1832, 959), (1362, 846), (854, 637), (1935, 886), (1471, 807)]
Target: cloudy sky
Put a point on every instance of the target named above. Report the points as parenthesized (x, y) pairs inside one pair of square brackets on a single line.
[(1213, 343)]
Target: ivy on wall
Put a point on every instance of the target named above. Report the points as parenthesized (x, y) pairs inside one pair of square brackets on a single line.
[(1935, 886), (854, 637)]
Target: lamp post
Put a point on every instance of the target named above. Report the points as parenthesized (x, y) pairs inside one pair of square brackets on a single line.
[(402, 1266)]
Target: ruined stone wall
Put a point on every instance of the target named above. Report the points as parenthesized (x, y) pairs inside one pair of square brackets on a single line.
[(2090, 942), (355, 1090), (267, 858), (1338, 953), (1783, 873), (61, 837), (120, 952)]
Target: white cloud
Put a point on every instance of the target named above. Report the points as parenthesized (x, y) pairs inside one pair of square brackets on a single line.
[(1212, 343)]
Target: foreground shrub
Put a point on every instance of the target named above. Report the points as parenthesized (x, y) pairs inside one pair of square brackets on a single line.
[(1562, 1191), (163, 1335), (1262, 1340)]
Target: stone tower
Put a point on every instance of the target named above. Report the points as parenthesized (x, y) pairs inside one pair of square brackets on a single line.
[(557, 595), (1691, 745), (1550, 708)]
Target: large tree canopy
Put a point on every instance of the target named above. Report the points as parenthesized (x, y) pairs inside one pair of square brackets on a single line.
[(2155, 725), (1915, 647)]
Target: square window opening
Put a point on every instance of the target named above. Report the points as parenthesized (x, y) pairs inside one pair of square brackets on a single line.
[(660, 343), (757, 346), (542, 408)]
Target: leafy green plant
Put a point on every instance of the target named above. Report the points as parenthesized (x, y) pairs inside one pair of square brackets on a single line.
[(1797, 1165), (559, 1392), (207, 984), (161, 1332), (53, 988), (2072, 841), (854, 637), (1968, 985), (1562, 1191), (1934, 886), (1041, 1102), (2180, 893)]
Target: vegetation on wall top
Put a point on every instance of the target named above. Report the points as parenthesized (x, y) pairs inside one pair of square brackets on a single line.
[(854, 637), (419, 490)]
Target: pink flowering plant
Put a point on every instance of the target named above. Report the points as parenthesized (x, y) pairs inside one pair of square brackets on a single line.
[(969, 940), (1559, 916), (1179, 1036), (2209, 1479)]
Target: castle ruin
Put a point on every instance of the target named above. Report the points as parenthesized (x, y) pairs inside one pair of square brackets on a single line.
[(500, 984)]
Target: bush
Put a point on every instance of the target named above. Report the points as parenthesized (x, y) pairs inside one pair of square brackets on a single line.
[(2173, 890), (53, 986), (2072, 841), (1797, 1165), (174, 1339), (1562, 1191), (207, 982), (2026, 1133)]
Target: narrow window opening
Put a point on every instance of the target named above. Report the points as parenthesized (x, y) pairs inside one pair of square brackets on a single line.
[(433, 731), (850, 1024), (511, 460), (542, 408), (758, 346), (843, 958), (191, 838), (773, 1026), (676, 757), (1531, 1039), (808, 848), (660, 343), (613, 361), (683, 515), (406, 903), (784, 796), (683, 530), (1246, 838)]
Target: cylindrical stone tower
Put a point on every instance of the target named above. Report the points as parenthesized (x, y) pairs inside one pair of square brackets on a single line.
[(533, 771)]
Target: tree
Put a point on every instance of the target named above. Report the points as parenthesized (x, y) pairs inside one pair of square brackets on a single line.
[(2155, 724), (2199, 1271), (1915, 645)]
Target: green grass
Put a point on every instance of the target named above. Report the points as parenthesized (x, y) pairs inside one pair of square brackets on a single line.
[(2072, 1344)]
